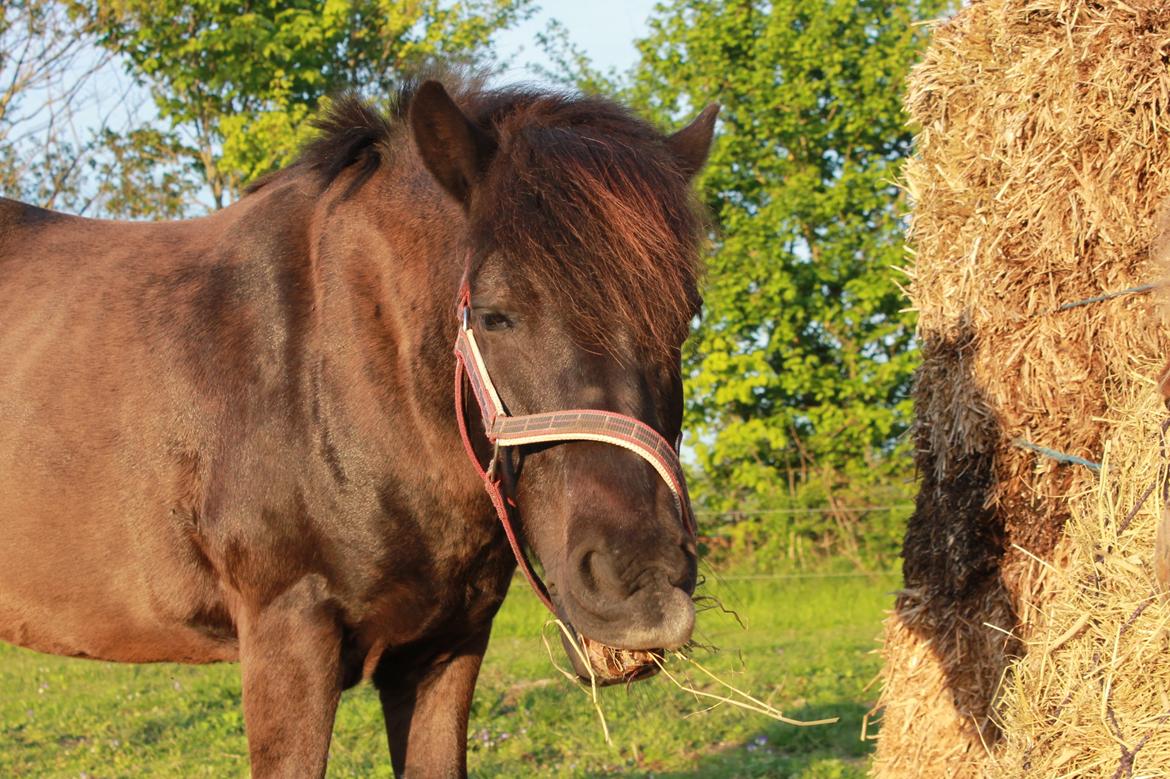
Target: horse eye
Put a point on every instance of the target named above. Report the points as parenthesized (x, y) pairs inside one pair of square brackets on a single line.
[(494, 320)]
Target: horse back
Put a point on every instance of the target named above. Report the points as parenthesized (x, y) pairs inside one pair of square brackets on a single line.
[(15, 215)]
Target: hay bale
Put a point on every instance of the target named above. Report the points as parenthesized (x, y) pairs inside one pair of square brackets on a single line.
[(1043, 153), (1091, 697)]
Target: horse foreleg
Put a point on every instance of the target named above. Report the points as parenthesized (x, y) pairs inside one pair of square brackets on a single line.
[(426, 715), (290, 661)]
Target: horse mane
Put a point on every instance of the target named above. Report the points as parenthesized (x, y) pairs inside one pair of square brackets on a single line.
[(587, 200)]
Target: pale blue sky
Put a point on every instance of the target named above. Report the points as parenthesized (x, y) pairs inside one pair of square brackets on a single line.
[(604, 29)]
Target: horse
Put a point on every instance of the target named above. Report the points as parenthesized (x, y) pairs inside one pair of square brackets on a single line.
[(236, 437)]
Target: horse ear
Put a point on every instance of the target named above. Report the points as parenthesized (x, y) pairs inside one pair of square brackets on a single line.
[(455, 151), (692, 143)]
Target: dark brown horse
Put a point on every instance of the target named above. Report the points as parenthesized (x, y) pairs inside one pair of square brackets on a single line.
[(233, 438)]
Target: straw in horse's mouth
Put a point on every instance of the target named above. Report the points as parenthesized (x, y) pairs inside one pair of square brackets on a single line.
[(612, 663)]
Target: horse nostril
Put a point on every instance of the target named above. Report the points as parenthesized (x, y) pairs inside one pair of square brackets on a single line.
[(585, 571), (686, 572), (597, 573)]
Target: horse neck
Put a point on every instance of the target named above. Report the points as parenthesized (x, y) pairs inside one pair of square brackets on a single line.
[(387, 264)]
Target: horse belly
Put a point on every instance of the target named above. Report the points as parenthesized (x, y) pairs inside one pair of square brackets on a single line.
[(83, 589), (113, 635), (95, 561)]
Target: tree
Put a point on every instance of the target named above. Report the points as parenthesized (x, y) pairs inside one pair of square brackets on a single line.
[(235, 81), (44, 71), (800, 370), (63, 114)]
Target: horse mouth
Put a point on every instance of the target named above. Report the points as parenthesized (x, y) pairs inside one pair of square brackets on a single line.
[(604, 665), (605, 650)]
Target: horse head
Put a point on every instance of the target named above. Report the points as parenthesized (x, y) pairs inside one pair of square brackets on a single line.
[(579, 288)]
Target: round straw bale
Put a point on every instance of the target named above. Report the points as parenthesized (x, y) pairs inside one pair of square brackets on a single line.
[(1043, 154)]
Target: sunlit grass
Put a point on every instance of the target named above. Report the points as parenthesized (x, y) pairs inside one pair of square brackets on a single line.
[(806, 650)]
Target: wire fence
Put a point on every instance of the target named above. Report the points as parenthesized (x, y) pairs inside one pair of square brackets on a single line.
[(804, 510), (785, 576)]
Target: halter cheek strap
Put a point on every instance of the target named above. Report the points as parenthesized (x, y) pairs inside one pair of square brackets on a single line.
[(502, 430)]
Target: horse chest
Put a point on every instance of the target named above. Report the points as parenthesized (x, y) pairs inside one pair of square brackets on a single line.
[(434, 604)]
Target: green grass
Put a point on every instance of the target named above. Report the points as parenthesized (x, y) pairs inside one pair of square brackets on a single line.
[(807, 649)]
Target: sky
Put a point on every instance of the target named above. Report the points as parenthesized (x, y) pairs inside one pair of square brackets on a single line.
[(604, 29)]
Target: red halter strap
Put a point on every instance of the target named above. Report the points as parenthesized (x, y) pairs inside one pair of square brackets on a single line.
[(572, 425)]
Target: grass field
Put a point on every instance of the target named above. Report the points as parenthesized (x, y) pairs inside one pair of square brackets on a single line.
[(807, 649)]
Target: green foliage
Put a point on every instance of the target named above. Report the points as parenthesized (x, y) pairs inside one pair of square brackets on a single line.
[(140, 175), (235, 81), (807, 648), (800, 370)]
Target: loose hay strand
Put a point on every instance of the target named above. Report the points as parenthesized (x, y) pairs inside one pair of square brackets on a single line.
[(744, 701), (592, 691), (738, 697)]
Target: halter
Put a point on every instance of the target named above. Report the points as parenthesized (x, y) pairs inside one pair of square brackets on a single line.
[(503, 430)]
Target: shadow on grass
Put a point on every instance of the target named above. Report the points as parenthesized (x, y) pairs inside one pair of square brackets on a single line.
[(780, 751)]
